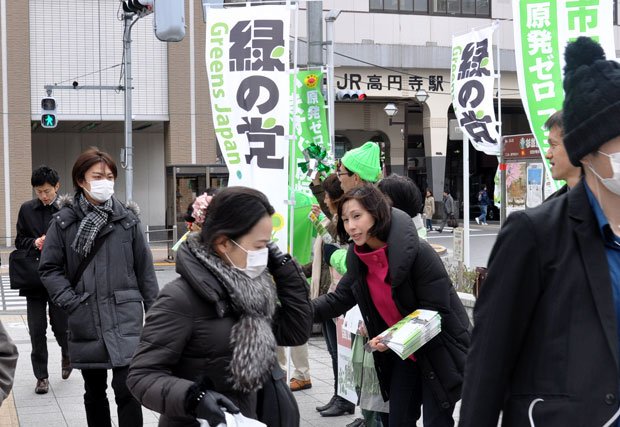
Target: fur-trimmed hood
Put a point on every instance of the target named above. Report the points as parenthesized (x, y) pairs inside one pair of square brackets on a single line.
[(69, 201)]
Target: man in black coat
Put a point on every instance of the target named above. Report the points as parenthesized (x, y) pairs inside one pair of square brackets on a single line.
[(32, 224), (546, 325)]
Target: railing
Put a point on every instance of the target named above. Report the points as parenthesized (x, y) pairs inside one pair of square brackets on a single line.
[(169, 236), (155, 237)]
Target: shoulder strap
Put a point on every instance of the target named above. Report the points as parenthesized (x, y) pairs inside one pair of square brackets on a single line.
[(87, 260)]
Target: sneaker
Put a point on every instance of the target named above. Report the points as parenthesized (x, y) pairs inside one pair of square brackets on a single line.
[(297, 385), (42, 387), (478, 221), (484, 223)]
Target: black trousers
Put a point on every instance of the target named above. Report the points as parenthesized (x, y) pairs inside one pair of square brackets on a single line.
[(408, 392), (37, 328), (329, 333), (96, 400)]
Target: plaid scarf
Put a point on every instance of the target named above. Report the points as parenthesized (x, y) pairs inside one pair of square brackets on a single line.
[(96, 217)]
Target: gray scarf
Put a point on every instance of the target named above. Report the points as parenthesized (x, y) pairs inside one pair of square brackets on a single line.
[(96, 216), (254, 301)]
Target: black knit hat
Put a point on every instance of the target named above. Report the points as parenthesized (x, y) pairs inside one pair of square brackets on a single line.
[(592, 99)]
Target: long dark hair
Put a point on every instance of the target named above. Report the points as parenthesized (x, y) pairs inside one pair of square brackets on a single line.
[(404, 194), (233, 212), (373, 201), (332, 187)]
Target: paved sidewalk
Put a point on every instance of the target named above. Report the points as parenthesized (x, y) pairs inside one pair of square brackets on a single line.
[(63, 405)]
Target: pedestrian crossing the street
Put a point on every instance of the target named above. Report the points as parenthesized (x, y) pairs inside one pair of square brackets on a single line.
[(9, 298)]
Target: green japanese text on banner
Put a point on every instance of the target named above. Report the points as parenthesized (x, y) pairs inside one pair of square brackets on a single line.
[(312, 152), (542, 31), (247, 59), (472, 80)]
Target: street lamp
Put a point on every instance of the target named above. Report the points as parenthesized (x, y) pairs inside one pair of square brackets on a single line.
[(421, 96)]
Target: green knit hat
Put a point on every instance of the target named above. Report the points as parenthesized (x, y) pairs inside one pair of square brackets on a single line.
[(364, 161)]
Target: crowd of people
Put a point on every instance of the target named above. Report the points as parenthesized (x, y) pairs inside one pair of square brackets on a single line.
[(543, 349)]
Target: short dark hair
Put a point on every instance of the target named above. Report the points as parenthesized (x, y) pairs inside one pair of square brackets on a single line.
[(555, 120), (332, 187), (373, 201), (404, 194), (44, 175), (86, 160), (233, 212)]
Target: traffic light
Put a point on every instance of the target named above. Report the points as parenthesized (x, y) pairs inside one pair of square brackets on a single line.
[(350, 95), (48, 112), (136, 6), (169, 22)]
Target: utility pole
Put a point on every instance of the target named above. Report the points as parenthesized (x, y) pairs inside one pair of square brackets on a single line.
[(330, 19), (314, 21), (128, 154)]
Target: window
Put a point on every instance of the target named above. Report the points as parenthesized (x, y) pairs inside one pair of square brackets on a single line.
[(479, 8)]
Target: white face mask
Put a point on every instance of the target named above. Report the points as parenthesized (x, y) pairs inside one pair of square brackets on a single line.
[(613, 183), (101, 190), (256, 261)]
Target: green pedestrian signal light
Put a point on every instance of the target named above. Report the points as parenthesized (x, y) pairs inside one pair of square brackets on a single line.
[(48, 121), (48, 112)]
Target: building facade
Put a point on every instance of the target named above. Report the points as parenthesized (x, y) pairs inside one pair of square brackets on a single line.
[(386, 48)]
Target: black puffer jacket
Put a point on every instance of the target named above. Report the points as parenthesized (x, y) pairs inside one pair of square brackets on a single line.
[(186, 338), (107, 305), (419, 280)]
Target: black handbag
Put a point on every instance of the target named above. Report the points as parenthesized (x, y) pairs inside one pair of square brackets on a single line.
[(277, 406), (24, 270), (453, 222)]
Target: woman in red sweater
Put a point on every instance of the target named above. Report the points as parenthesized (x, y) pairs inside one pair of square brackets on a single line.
[(391, 273)]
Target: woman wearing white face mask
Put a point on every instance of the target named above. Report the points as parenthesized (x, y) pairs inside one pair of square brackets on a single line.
[(97, 267), (210, 339)]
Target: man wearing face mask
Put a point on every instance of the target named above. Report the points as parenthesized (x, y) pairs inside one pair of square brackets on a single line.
[(97, 267), (546, 332), (546, 336)]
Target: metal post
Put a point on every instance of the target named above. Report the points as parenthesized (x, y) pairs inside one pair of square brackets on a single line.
[(314, 21), (128, 119), (502, 173), (466, 257), (406, 140), (329, 33)]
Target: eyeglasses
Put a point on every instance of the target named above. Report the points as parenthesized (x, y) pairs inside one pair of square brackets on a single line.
[(339, 172)]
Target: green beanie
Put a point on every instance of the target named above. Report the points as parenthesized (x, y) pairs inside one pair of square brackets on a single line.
[(364, 161)]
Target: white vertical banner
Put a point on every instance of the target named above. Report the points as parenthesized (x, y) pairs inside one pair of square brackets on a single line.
[(471, 86), (247, 55)]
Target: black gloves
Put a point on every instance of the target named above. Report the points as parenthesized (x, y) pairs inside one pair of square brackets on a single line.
[(276, 256), (328, 251), (209, 407)]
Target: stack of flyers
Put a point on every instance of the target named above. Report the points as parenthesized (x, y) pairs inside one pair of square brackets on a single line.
[(412, 332)]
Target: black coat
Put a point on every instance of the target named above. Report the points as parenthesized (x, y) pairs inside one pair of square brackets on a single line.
[(186, 337), (545, 323), (106, 306), (33, 221), (419, 280)]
